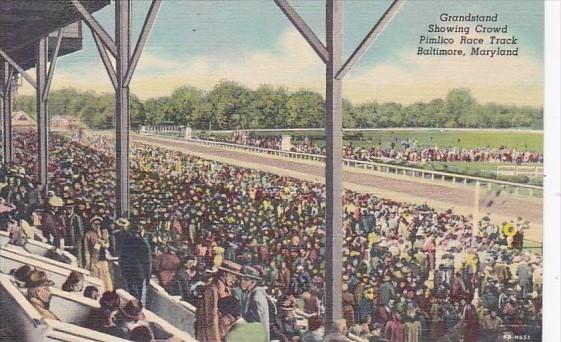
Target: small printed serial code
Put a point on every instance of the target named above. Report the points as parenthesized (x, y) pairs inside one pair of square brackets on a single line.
[(516, 337)]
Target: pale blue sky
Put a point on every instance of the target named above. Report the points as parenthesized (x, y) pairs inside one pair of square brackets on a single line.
[(250, 41)]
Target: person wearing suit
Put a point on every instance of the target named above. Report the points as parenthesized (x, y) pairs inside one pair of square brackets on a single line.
[(256, 307), (136, 263)]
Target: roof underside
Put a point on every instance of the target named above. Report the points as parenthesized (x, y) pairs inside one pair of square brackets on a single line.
[(23, 22)]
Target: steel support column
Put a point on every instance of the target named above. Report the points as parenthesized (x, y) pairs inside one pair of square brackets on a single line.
[(6, 87), (122, 40), (42, 114), (334, 163)]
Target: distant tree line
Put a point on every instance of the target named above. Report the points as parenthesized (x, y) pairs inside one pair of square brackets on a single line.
[(230, 105)]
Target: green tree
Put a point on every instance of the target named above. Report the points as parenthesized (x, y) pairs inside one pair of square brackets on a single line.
[(185, 101), (305, 109), (268, 107), (459, 102), (229, 101)]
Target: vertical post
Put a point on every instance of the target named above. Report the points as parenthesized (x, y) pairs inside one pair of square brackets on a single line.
[(42, 114), (2, 105), (122, 40), (476, 200), (2, 115), (333, 164), (7, 112)]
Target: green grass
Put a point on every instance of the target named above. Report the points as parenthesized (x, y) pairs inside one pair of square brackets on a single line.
[(462, 139), (520, 141), (476, 166)]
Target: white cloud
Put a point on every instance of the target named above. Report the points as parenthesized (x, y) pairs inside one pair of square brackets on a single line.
[(295, 65)]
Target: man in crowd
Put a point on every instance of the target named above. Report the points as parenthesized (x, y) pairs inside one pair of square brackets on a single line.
[(96, 250), (235, 327), (39, 294), (136, 263), (338, 332), (231, 205), (255, 306), (75, 233), (207, 318), (52, 222)]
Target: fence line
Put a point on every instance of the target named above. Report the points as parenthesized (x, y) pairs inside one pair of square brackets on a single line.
[(497, 130), (515, 170), (385, 167)]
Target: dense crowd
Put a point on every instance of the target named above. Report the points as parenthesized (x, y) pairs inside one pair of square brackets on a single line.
[(400, 150), (410, 273)]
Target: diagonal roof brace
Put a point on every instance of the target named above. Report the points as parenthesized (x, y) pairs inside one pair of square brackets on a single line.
[(96, 27), (106, 60), (16, 66), (146, 28), (52, 67), (378, 28), (304, 29)]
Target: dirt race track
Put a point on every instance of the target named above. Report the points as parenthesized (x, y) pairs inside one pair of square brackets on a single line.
[(440, 195)]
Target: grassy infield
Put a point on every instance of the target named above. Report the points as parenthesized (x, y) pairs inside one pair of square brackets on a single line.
[(462, 139)]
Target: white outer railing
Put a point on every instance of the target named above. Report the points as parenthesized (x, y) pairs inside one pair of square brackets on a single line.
[(515, 170), (385, 167), (387, 129)]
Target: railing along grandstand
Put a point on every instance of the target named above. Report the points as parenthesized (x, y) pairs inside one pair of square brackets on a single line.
[(517, 188)]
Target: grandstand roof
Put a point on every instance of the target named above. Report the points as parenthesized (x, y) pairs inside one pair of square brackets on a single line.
[(23, 22)]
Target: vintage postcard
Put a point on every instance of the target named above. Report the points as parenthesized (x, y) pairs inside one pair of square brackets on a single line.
[(277, 170)]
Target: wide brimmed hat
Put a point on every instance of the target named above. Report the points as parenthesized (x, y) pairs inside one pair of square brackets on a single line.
[(38, 278), (96, 218), (286, 303), (250, 273), (122, 222), (133, 310), (231, 267), (56, 201)]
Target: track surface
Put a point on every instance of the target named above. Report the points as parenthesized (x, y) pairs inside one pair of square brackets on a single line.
[(441, 195)]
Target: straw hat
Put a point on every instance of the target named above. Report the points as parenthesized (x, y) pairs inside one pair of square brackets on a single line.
[(122, 222), (56, 201), (96, 218)]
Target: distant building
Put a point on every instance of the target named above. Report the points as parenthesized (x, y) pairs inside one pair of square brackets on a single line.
[(20, 120), (65, 122)]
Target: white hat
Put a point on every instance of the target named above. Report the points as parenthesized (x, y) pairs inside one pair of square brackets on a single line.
[(56, 201)]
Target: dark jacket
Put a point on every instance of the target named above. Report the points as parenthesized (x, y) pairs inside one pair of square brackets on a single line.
[(135, 257)]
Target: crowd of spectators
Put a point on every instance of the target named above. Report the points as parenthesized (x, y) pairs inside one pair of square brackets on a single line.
[(400, 150), (410, 273)]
